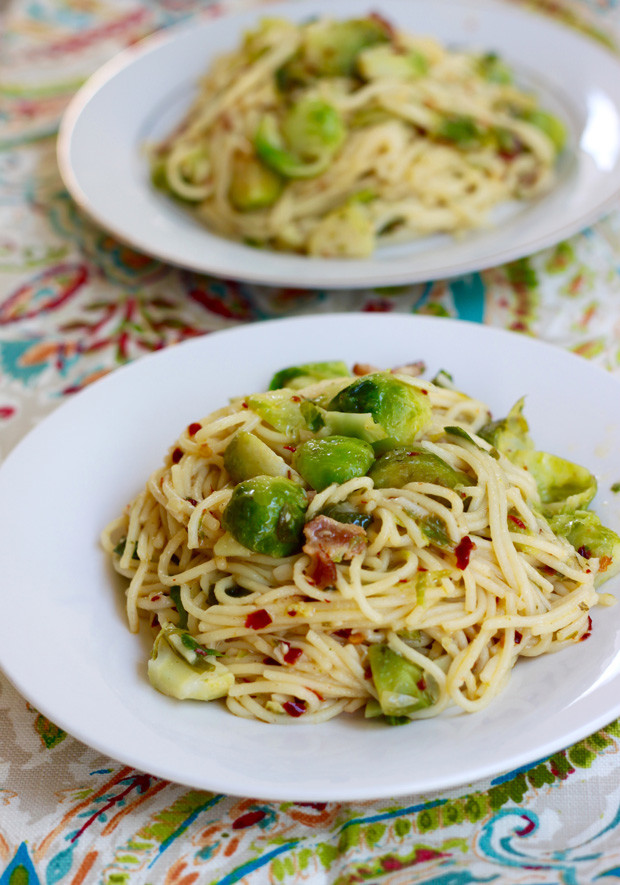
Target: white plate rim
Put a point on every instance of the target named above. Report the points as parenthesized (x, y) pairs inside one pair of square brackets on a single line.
[(595, 707), (222, 258)]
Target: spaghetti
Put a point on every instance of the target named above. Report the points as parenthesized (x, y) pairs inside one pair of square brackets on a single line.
[(415, 575), (332, 137)]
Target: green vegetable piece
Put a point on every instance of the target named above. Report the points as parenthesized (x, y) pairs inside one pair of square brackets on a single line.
[(460, 130), (492, 68), (386, 62), (313, 415), (585, 531), (313, 127), (303, 146), (551, 125), (253, 185), (435, 529), (562, 485), (402, 465), (280, 409), (324, 460), (300, 376), (401, 409), (331, 47), (361, 426), (175, 595), (171, 673), (401, 685), (246, 456), (267, 514), (509, 434), (345, 512)]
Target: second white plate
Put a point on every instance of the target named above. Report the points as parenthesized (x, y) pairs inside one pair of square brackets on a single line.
[(143, 92)]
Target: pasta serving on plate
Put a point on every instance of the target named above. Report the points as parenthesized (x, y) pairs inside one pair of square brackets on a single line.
[(332, 137), (358, 541)]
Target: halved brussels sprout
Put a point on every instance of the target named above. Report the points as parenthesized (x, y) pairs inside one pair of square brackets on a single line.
[(177, 670), (324, 460), (253, 186), (563, 486), (402, 686), (246, 456), (280, 409), (303, 145), (405, 464), (386, 62), (331, 47), (267, 514), (509, 434), (548, 123), (300, 376), (585, 531), (401, 409)]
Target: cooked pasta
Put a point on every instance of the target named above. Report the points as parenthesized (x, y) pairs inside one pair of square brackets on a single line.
[(369, 542), (332, 137)]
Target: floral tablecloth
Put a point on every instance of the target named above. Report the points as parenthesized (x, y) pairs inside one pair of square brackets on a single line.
[(74, 304)]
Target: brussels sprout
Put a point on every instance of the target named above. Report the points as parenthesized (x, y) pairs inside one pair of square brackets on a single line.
[(436, 530), (266, 514), (401, 685), (346, 232), (345, 512), (280, 409), (509, 434), (300, 376), (384, 61), (253, 186), (302, 147), (585, 531), (462, 131), (170, 671), (331, 48), (562, 485), (312, 127), (324, 460), (246, 456), (550, 125), (401, 409), (492, 68), (396, 468), (359, 425)]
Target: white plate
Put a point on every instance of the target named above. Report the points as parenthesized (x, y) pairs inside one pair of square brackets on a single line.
[(63, 636), (143, 92)]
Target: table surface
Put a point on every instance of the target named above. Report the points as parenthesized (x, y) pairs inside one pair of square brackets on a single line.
[(75, 304)]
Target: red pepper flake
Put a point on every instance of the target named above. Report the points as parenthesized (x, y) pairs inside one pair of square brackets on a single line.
[(295, 707), (193, 428), (177, 455), (244, 406), (604, 563), (517, 521), (248, 819), (425, 392), (155, 597), (422, 569), (518, 637), (192, 501), (296, 399), (293, 655), (290, 448), (463, 552), (585, 552), (291, 613), (344, 633), (258, 619), (421, 684), (367, 672), (588, 632), (270, 662)]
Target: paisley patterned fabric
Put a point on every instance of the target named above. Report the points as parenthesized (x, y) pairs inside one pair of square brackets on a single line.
[(75, 304)]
